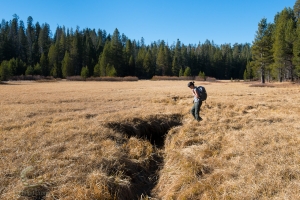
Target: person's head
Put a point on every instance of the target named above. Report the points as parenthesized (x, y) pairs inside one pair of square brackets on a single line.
[(191, 85)]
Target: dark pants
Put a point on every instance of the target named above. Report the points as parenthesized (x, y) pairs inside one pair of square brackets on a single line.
[(196, 109)]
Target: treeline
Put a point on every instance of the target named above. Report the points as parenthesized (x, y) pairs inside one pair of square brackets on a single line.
[(276, 47), (33, 50)]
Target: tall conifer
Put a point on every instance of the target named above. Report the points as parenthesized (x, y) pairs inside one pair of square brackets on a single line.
[(261, 49)]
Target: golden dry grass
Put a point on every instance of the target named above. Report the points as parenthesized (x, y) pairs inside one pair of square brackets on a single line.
[(92, 140)]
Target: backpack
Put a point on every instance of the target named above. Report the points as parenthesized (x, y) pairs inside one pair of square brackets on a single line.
[(202, 93)]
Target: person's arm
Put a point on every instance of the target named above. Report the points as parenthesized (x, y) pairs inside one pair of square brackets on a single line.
[(196, 93)]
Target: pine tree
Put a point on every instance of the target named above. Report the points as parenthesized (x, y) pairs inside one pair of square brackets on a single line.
[(175, 66), (245, 75), (100, 41), (21, 66), (284, 37), (296, 51), (4, 71), (8, 48), (105, 59), (30, 33), (110, 70), (67, 67), (184, 56), (201, 75), (35, 46), (44, 40), (53, 60), (168, 60), (62, 46), (3, 40), (207, 55), (236, 60), (44, 65), (16, 67), (192, 60), (148, 65), (84, 72), (117, 52), (248, 73), (261, 49), (187, 71), (181, 72), (128, 54), (131, 66), (75, 53), (13, 36), (13, 67), (296, 9), (37, 69), (161, 62), (55, 54), (217, 69), (177, 59), (226, 60), (290, 38), (22, 44), (89, 49), (139, 62), (29, 70), (97, 68)]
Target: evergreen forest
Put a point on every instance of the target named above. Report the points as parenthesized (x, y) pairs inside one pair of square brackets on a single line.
[(32, 49)]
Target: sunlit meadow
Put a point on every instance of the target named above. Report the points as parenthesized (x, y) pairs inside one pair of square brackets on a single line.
[(137, 140)]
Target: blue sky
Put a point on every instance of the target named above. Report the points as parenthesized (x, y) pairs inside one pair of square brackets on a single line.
[(190, 21)]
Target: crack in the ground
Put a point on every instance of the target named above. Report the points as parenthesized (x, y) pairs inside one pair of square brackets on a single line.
[(153, 129)]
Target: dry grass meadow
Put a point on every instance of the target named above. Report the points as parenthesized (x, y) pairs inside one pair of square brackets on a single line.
[(136, 140)]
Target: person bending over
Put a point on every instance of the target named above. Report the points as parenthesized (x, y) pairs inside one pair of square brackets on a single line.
[(195, 111)]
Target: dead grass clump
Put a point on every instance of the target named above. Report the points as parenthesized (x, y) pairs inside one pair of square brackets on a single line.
[(99, 183), (139, 149)]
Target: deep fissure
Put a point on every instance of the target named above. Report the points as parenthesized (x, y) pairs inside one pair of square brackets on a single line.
[(153, 129)]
